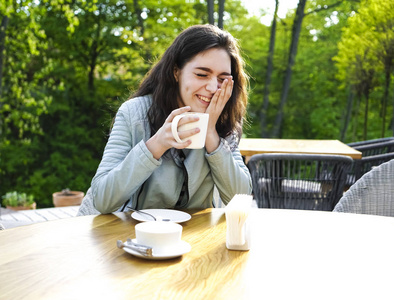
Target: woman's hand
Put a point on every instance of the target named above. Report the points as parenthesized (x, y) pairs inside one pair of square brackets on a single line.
[(215, 109), (164, 140)]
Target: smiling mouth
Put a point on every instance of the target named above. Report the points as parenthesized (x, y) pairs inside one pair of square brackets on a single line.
[(205, 99)]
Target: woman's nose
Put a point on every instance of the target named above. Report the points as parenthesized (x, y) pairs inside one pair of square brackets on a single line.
[(213, 85)]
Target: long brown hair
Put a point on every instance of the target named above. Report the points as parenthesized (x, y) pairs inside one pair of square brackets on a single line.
[(161, 83)]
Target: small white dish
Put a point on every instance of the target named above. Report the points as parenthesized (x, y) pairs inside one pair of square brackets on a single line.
[(171, 214), (178, 250)]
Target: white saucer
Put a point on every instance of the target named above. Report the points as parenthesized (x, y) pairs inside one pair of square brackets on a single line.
[(172, 214), (179, 250)]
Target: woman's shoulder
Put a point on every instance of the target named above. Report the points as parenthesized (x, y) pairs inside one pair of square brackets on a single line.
[(137, 107), (138, 102)]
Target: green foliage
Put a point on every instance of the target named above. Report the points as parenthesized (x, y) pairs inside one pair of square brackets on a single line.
[(314, 110), (68, 65), (17, 199), (66, 72), (24, 96), (366, 51)]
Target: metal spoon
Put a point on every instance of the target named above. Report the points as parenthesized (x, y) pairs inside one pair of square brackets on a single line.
[(144, 250), (158, 218)]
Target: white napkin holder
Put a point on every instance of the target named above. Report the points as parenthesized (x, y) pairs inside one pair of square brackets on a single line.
[(238, 235)]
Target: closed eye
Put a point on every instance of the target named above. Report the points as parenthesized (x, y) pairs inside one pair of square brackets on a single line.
[(201, 75)]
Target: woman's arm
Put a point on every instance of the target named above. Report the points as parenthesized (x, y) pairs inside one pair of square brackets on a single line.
[(229, 172), (125, 166)]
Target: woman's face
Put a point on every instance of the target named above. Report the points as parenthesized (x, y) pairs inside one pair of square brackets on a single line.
[(201, 77)]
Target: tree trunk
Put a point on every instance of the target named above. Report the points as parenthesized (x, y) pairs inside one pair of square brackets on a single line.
[(385, 99), (365, 129), (3, 27), (347, 113), (392, 120), (138, 12), (94, 54), (270, 68), (210, 12), (221, 13), (366, 87), (92, 68), (356, 117), (296, 30)]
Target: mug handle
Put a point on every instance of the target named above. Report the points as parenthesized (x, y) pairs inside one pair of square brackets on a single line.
[(174, 128)]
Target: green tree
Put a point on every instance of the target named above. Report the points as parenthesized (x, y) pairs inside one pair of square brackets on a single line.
[(316, 104), (366, 51), (86, 57), (23, 88), (268, 76), (67, 65), (314, 107)]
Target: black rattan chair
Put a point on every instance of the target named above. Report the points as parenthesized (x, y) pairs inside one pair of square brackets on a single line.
[(298, 181), (367, 142), (376, 148), (367, 163), (374, 152)]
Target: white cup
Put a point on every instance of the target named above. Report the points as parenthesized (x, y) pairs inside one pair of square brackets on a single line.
[(164, 237), (198, 140)]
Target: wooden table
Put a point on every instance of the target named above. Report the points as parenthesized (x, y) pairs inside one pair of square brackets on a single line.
[(294, 255), (249, 147)]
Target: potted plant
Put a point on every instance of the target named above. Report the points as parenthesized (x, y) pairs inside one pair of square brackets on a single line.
[(18, 201), (67, 198)]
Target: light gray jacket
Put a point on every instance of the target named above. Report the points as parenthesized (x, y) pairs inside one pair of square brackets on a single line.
[(129, 171)]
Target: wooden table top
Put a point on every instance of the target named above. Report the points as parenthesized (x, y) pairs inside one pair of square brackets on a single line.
[(251, 146), (294, 255)]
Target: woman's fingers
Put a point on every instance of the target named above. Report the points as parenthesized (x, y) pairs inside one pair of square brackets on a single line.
[(183, 135), (226, 91), (221, 97), (164, 139), (176, 112), (229, 89), (188, 133)]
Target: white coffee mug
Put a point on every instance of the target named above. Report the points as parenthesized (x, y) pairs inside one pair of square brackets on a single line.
[(198, 140), (162, 236)]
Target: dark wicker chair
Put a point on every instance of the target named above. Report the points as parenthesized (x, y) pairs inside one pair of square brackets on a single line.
[(373, 154), (367, 163), (376, 148), (372, 194), (298, 181), (367, 142)]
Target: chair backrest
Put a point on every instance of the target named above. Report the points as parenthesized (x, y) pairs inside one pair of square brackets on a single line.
[(376, 148), (374, 152), (372, 194), (298, 181), (366, 164), (374, 141)]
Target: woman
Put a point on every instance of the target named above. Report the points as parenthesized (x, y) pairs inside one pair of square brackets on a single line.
[(143, 166)]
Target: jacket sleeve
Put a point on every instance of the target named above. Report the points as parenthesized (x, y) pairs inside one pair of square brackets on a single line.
[(125, 166), (230, 174)]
